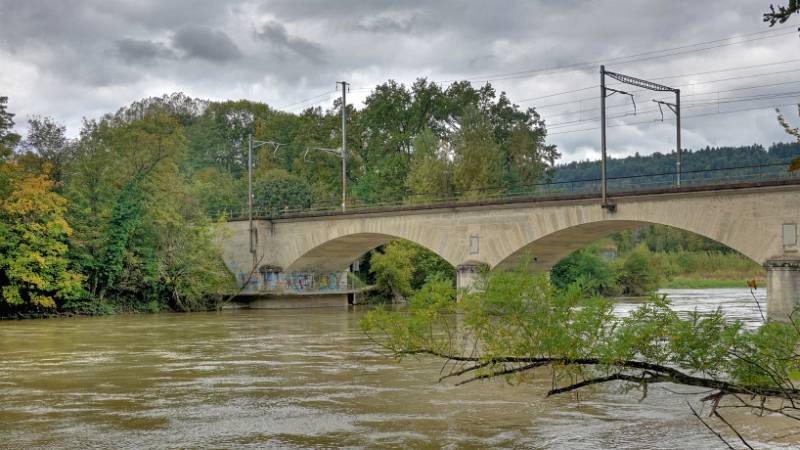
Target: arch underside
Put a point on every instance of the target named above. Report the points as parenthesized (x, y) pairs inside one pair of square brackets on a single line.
[(542, 254), (337, 254)]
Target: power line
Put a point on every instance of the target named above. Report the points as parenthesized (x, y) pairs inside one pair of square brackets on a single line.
[(684, 95), (731, 69), (766, 96), (775, 32), (694, 83), (644, 122), (289, 106)]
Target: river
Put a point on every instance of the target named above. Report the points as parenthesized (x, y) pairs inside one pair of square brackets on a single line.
[(299, 379)]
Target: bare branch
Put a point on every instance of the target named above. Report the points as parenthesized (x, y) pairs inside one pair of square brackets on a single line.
[(719, 416), (694, 413)]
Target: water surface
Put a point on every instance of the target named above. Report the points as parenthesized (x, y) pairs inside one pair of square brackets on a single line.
[(300, 379)]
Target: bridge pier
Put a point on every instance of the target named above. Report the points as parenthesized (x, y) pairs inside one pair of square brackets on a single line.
[(467, 274), (783, 287)]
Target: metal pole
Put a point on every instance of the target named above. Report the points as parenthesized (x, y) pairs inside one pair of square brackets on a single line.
[(603, 133), (344, 144), (250, 193), (678, 132)]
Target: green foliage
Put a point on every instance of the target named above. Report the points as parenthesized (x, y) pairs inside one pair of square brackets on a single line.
[(217, 192), (517, 322), (393, 269), (655, 256), (403, 267), (8, 139), (699, 160), (34, 270), (277, 190), (428, 177), (477, 162), (639, 276), (794, 165), (585, 268), (427, 265)]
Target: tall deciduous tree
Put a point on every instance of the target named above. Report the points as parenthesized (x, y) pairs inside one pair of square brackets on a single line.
[(8, 139), (33, 245), (428, 178), (47, 139), (477, 164), (277, 190)]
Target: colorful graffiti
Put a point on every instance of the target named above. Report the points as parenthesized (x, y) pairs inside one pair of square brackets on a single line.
[(297, 282)]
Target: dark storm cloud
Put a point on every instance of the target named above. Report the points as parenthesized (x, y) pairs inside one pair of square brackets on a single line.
[(275, 35), (205, 43), (73, 58)]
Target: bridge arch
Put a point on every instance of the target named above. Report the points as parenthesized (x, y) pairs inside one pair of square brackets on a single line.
[(337, 253), (548, 249)]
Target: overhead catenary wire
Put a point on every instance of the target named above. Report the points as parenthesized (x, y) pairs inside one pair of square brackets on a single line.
[(300, 102), (728, 100), (653, 122), (627, 59), (715, 92), (693, 83)]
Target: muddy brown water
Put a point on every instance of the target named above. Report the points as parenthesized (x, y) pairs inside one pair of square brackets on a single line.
[(305, 379)]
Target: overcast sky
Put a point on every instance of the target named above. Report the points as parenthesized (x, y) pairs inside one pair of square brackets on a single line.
[(81, 58)]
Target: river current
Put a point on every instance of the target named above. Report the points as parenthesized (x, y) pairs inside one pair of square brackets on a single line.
[(306, 378)]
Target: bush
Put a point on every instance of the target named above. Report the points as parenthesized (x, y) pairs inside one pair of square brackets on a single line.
[(639, 275), (586, 269)]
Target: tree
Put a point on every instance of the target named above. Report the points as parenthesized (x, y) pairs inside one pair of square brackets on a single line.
[(276, 191), (792, 131), (428, 178), (517, 325), (217, 192), (47, 139), (477, 167), (782, 14), (638, 276), (393, 270), (8, 139), (123, 170), (34, 270), (587, 270)]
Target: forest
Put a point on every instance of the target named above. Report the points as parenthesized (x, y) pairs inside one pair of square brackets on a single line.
[(121, 218)]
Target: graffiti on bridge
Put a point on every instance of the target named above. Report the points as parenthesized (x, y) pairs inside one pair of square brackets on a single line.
[(271, 280)]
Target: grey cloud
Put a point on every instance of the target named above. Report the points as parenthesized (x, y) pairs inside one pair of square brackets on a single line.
[(132, 48), (276, 35), (205, 43), (390, 24), (142, 50)]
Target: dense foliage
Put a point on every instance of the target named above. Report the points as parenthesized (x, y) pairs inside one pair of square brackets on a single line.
[(34, 269), (400, 268), (701, 161), (124, 215)]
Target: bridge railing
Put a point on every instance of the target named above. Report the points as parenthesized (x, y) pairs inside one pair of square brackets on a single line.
[(550, 189)]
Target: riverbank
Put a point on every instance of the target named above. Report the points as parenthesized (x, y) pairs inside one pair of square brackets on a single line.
[(709, 283)]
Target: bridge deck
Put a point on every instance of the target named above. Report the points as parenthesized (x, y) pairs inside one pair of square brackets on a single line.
[(527, 199)]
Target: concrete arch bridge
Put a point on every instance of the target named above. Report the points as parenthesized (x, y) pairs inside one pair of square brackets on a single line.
[(758, 220)]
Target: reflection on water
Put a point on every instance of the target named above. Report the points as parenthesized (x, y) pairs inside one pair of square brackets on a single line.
[(298, 379)]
